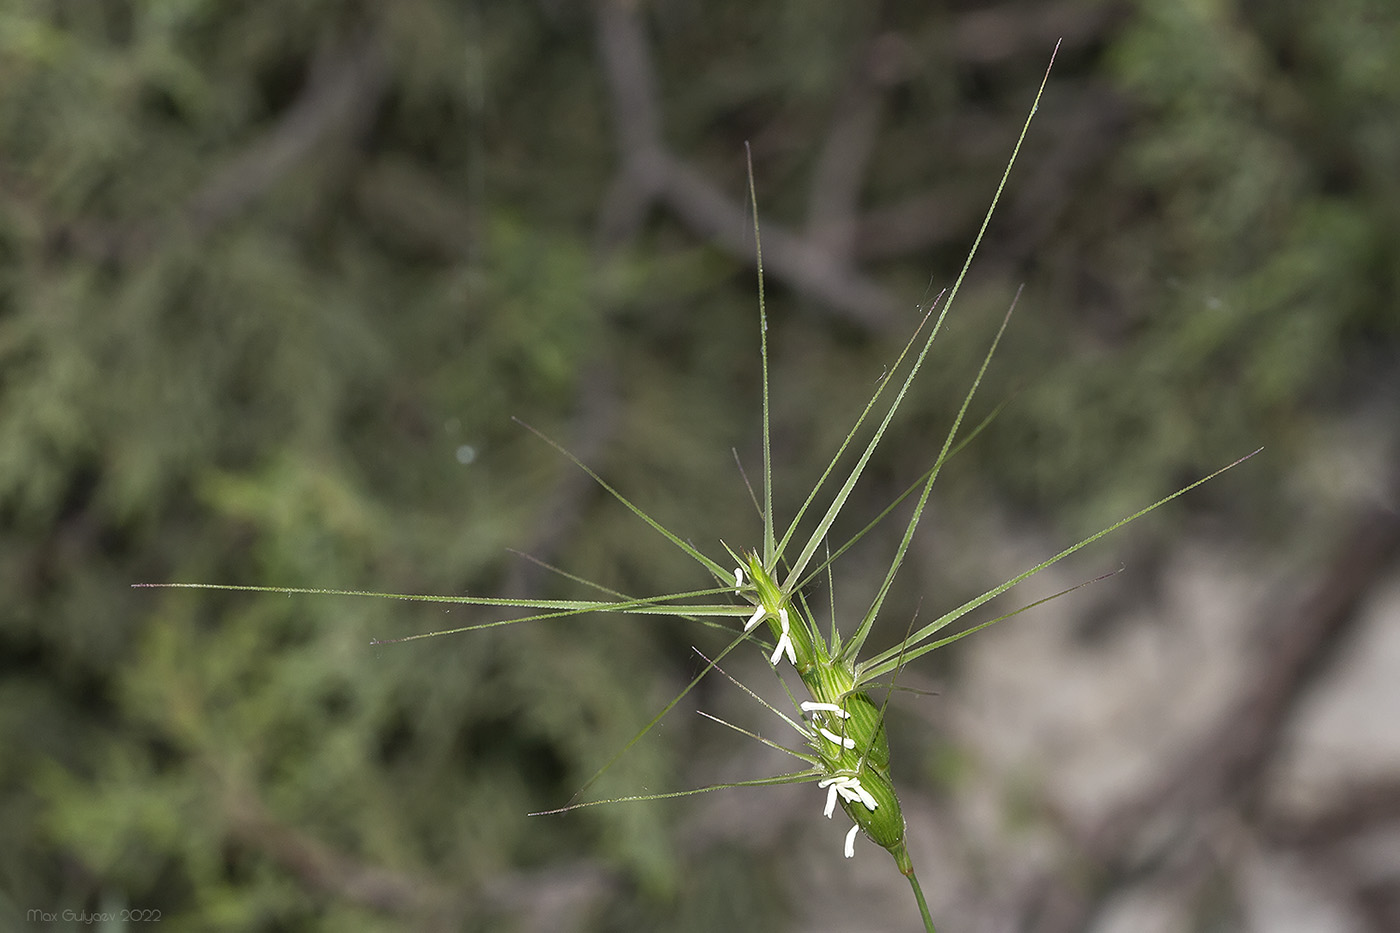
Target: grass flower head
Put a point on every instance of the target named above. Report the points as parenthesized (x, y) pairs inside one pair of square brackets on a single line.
[(760, 593)]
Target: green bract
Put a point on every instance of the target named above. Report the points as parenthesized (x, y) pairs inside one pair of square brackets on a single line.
[(885, 824)]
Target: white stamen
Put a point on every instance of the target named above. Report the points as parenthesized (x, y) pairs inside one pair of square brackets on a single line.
[(850, 790), (755, 618), (836, 739), (810, 706), (784, 643), (863, 794), (830, 801), (785, 647), (738, 578), (851, 842)]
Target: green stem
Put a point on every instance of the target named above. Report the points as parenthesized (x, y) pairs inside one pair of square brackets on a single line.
[(906, 868), (923, 905)]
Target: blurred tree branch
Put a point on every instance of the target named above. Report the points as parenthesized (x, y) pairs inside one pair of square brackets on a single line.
[(344, 86), (650, 173)]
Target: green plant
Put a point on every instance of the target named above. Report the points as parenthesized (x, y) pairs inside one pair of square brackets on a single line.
[(846, 752)]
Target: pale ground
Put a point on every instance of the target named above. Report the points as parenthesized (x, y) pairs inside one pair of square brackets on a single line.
[(1078, 726)]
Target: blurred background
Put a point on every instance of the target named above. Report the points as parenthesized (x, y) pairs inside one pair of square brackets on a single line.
[(276, 276)]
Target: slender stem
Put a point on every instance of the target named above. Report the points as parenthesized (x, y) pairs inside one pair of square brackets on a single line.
[(906, 868), (923, 905)]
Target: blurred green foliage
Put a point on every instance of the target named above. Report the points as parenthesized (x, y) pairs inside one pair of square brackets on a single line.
[(275, 276)]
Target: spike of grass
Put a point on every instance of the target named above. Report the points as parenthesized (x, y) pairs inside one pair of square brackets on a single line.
[(848, 751)]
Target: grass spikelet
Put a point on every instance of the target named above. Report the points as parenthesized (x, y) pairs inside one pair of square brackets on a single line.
[(755, 594)]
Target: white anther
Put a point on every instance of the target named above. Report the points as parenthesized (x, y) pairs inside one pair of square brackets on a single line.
[(738, 578), (833, 786), (755, 618), (836, 739), (851, 841), (811, 706), (850, 790), (862, 794), (785, 647)]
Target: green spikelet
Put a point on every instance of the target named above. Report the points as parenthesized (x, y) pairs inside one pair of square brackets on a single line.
[(848, 751), (884, 824), (848, 728)]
